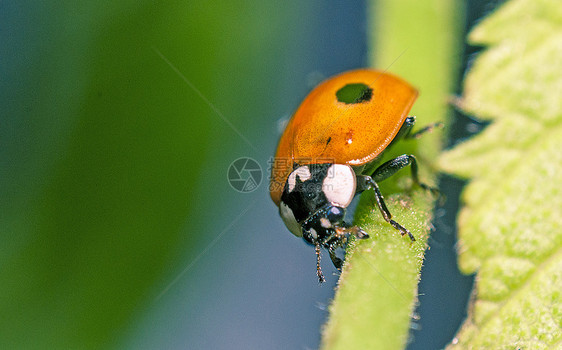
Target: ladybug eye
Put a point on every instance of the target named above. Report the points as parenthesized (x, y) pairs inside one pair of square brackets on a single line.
[(354, 93), (335, 214)]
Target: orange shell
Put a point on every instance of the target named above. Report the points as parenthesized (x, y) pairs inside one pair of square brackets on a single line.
[(325, 130)]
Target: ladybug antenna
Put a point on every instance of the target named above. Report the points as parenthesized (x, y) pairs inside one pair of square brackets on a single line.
[(321, 278)]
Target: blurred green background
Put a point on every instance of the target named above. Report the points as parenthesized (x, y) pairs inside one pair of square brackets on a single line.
[(118, 123)]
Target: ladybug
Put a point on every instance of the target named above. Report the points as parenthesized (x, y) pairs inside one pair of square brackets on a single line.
[(330, 152)]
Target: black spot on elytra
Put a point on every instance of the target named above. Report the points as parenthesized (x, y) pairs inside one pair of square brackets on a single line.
[(354, 93)]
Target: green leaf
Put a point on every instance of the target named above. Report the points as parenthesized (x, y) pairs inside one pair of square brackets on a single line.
[(377, 290), (510, 230)]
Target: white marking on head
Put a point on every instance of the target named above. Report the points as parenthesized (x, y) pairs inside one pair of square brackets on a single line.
[(339, 185), (325, 223), (289, 219), (303, 172)]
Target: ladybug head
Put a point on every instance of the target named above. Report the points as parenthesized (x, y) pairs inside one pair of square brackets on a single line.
[(323, 224), (315, 198)]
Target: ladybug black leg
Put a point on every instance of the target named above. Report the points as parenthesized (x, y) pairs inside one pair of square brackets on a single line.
[(392, 166), (405, 131), (422, 131), (366, 182), (336, 240), (357, 232), (338, 263), (339, 239)]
